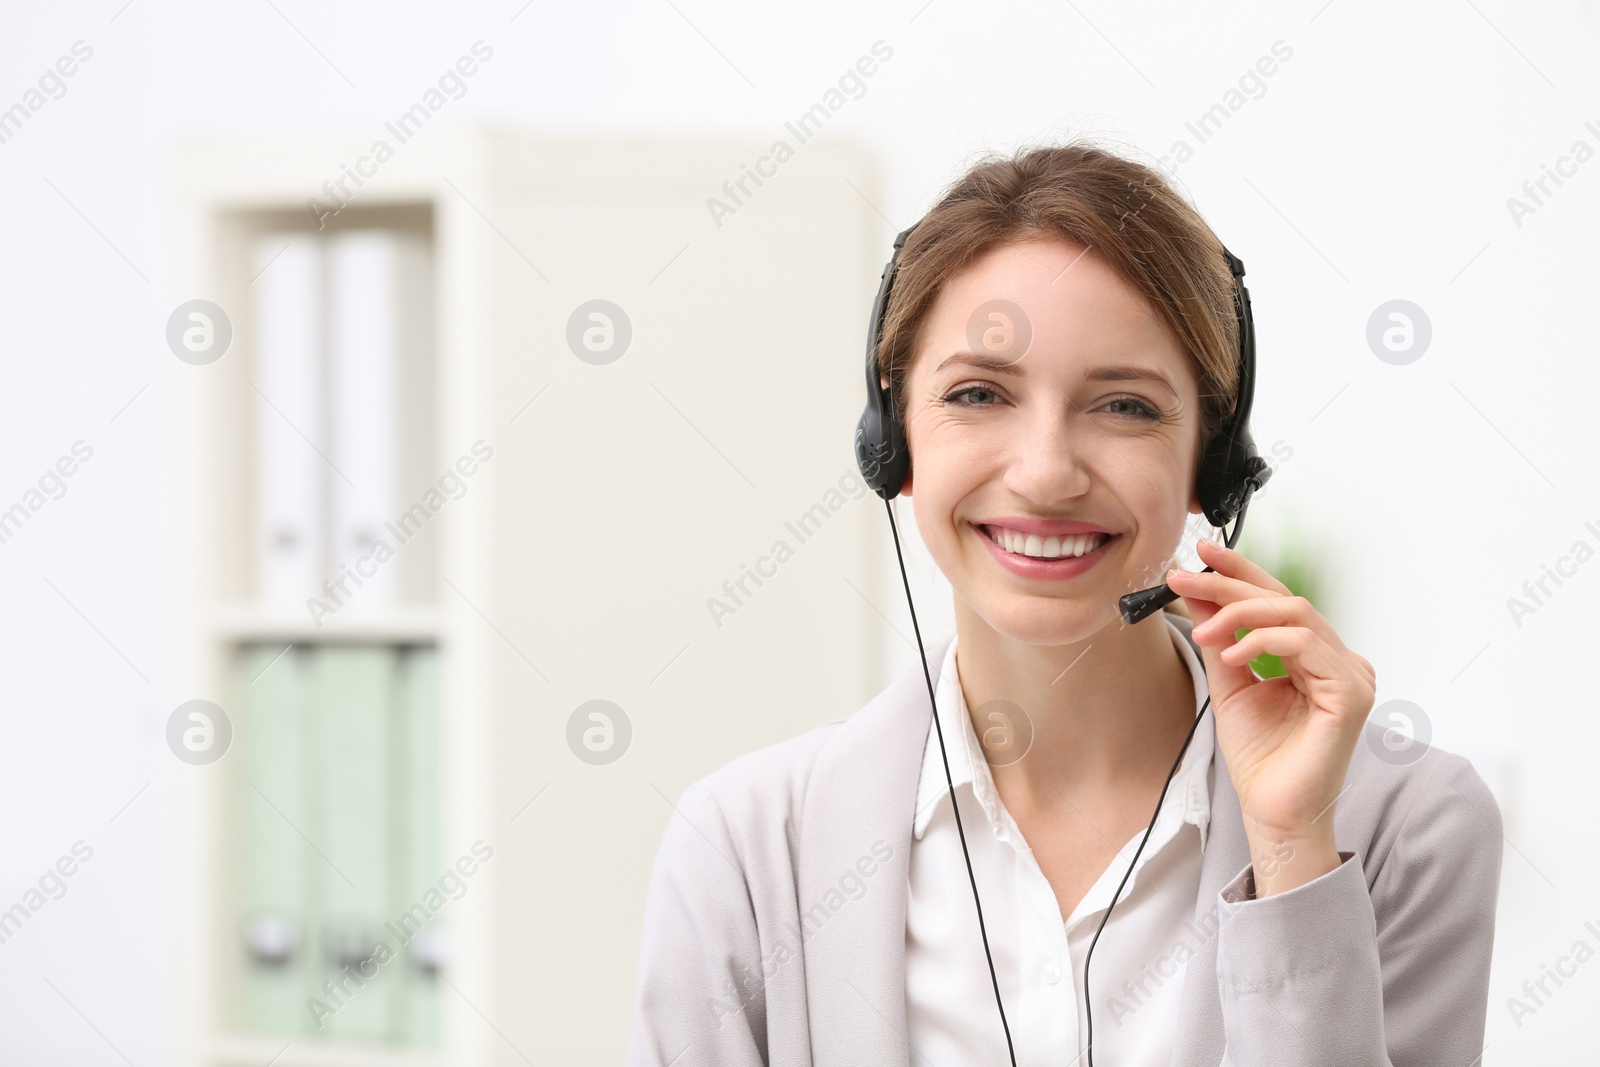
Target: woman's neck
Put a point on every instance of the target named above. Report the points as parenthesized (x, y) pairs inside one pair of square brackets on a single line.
[(1108, 712)]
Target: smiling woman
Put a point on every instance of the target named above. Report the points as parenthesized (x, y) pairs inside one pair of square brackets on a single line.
[(1104, 393), (1085, 253), (1059, 359)]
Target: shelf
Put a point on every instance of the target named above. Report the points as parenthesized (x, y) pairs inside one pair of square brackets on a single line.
[(241, 623), (232, 1051)]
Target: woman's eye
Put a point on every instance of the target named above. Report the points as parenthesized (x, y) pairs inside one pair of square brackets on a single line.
[(1139, 409), (956, 396)]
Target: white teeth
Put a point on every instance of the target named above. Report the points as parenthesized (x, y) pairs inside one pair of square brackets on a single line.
[(1046, 547)]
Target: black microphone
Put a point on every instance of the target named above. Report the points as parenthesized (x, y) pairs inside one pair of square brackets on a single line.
[(1136, 606)]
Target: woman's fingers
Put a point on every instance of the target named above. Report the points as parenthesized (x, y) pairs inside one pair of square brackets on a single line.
[(1301, 644), (1220, 589), (1250, 613), (1234, 564), (1240, 595)]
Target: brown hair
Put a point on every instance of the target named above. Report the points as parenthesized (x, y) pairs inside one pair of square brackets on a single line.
[(1124, 211)]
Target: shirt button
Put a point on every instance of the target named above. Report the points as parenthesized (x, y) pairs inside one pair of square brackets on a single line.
[(1052, 973)]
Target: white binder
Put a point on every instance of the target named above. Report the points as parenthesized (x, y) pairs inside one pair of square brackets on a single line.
[(364, 314), (286, 402)]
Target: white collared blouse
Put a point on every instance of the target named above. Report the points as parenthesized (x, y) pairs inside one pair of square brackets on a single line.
[(1137, 972)]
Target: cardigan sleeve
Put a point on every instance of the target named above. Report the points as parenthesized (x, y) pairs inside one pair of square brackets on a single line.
[(700, 992), (1331, 973)]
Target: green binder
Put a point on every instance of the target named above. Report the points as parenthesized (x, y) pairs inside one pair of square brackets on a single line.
[(350, 713), (271, 932), (418, 803), (339, 836)]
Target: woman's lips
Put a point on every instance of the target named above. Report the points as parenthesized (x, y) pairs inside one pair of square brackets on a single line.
[(1045, 569)]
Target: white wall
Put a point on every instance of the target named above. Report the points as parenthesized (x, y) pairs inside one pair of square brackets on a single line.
[(1376, 165)]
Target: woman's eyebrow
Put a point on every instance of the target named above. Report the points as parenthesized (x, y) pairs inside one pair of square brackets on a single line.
[(1122, 372), (1130, 373), (989, 363)]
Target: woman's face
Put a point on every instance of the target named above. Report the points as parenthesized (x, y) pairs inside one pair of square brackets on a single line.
[(1045, 392)]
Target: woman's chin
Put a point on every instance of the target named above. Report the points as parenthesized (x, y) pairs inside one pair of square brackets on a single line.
[(1047, 620)]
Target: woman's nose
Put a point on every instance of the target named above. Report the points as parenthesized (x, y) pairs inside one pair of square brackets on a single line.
[(1050, 461)]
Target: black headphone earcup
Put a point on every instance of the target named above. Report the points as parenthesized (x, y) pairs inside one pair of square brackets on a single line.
[(1220, 483), (881, 452)]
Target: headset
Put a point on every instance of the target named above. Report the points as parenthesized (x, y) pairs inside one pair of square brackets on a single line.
[(1230, 472)]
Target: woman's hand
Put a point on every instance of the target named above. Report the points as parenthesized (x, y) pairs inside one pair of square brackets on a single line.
[(1287, 740)]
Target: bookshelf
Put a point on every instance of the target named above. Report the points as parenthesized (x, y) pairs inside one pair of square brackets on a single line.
[(565, 567)]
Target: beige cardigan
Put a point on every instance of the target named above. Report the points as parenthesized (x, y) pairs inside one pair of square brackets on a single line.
[(775, 925)]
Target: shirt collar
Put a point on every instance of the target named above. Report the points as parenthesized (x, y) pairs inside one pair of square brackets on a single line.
[(1188, 797)]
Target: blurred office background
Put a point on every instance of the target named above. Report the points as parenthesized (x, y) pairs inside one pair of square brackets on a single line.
[(390, 390)]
